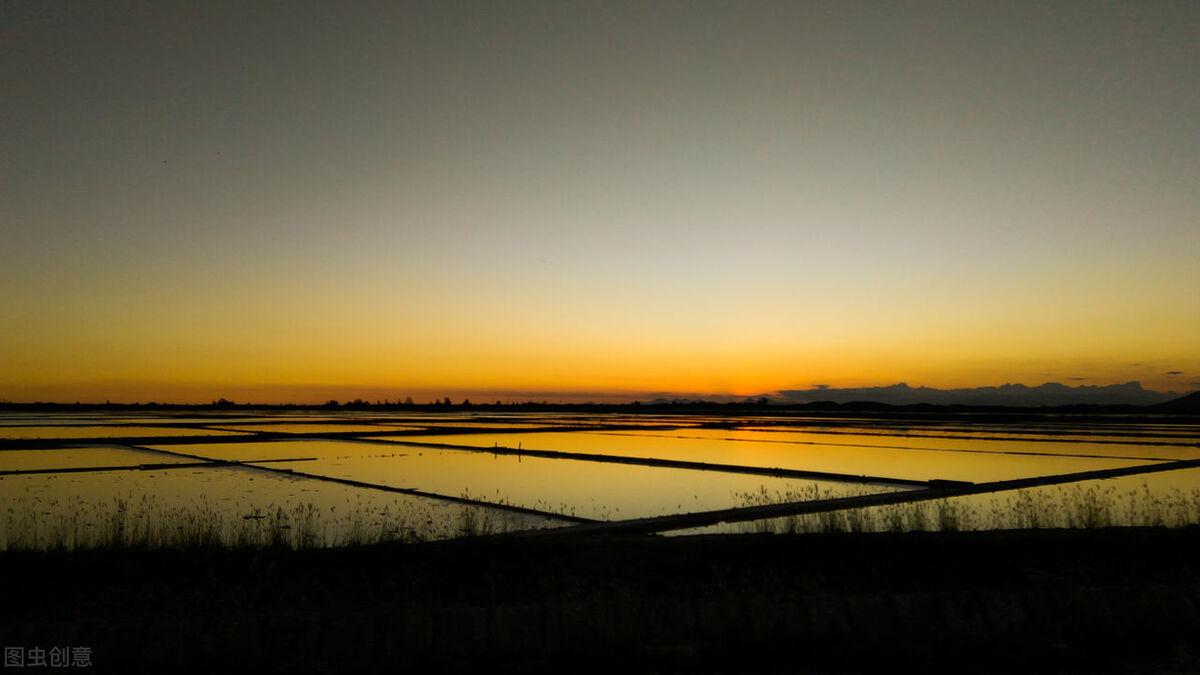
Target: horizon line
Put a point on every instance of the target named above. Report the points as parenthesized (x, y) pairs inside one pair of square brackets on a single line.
[(492, 397)]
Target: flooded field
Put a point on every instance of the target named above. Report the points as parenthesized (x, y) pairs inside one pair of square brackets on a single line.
[(329, 479)]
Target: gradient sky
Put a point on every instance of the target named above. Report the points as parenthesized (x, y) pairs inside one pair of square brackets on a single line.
[(291, 201)]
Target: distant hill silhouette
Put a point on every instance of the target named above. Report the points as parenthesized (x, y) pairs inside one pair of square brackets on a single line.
[(1189, 403), (1048, 394)]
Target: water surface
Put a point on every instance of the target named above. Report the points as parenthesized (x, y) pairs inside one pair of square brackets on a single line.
[(241, 497)]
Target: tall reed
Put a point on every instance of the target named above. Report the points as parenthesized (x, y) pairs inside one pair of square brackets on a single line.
[(1074, 506)]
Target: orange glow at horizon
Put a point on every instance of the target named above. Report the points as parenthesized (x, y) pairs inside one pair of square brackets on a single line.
[(263, 340), (258, 339)]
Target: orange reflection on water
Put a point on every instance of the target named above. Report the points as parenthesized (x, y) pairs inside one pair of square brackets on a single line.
[(874, 461)]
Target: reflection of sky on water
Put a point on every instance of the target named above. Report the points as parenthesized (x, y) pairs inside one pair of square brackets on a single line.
[(87, 502), (583, 488), (588, 489), (94, 456), (309, 428), (873, 461), (77, 431)]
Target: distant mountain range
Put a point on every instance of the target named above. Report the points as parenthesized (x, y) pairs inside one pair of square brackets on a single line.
[(1048, 394), (1185, 404)]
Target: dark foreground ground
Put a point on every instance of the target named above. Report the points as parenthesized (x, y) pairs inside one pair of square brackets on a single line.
[(1119, 600)]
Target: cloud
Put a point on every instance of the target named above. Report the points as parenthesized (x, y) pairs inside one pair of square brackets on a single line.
[(1050, 393), (1174, 372), (1076, 379)]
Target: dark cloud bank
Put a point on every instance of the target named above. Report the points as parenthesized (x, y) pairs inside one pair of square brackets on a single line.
[(1049, 394)]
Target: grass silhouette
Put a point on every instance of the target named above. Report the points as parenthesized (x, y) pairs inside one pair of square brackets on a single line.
[(1073, 506), (146, 523)]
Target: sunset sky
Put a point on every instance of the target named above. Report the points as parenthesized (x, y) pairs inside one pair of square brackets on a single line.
[(272, 201)]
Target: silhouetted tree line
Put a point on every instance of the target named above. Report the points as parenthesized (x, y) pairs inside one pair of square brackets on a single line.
[(652, 407)]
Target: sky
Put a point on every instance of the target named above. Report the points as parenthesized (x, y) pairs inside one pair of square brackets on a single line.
[(291, 201)]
